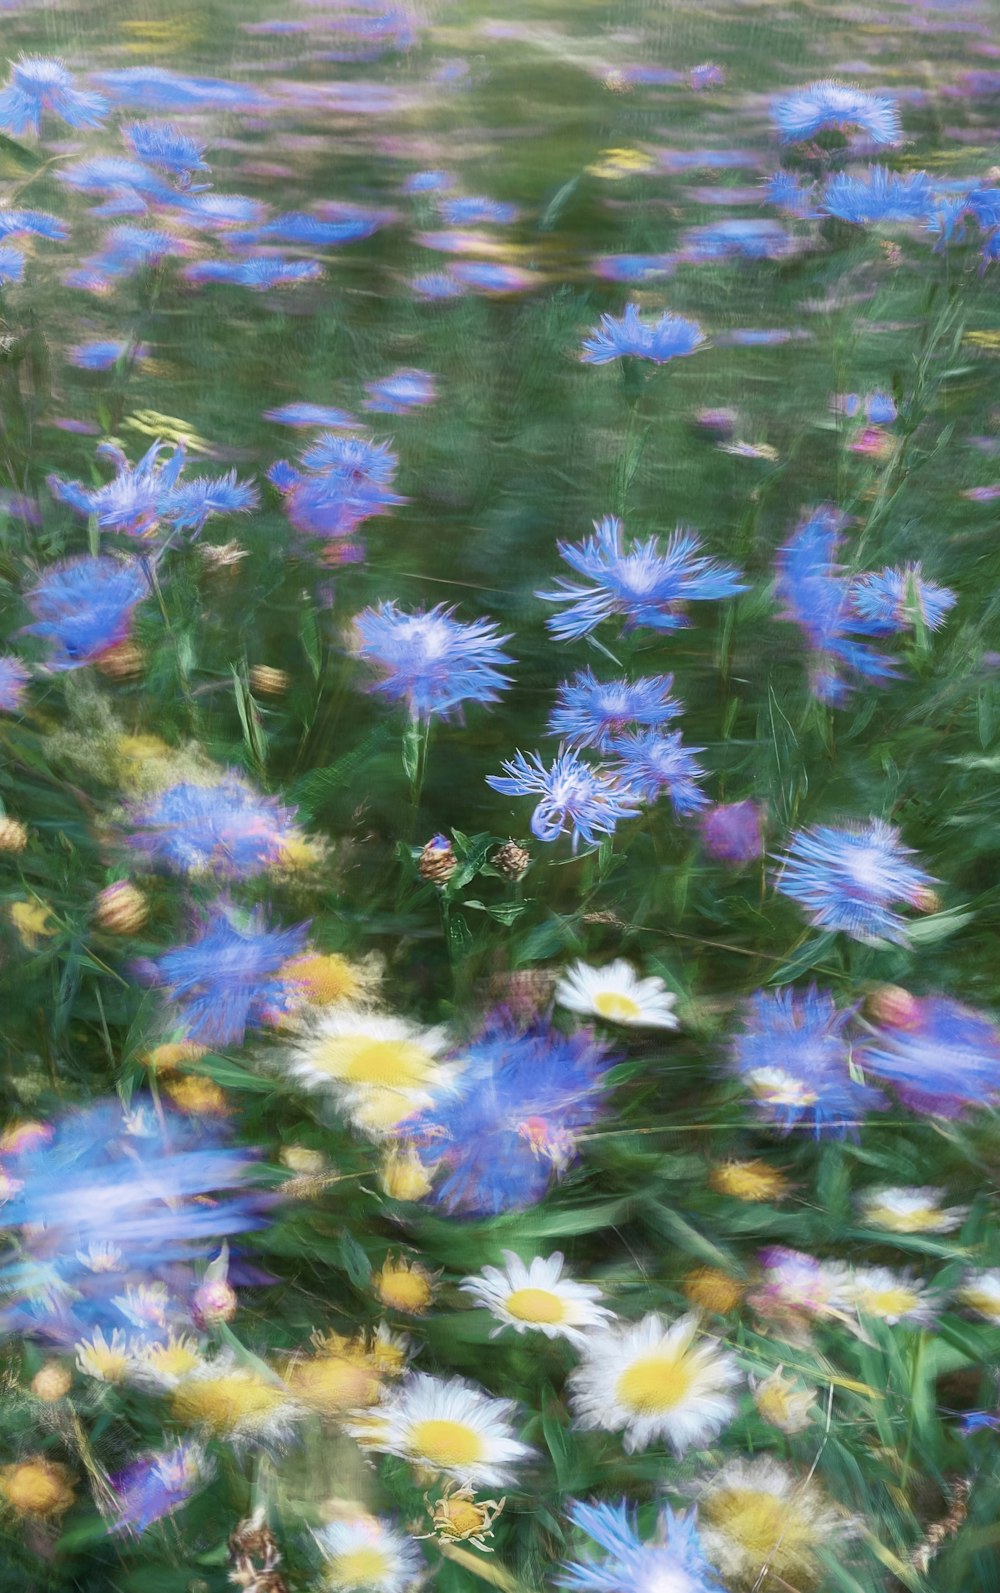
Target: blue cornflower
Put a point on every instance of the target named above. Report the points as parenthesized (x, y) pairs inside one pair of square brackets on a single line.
[(850, 879), (940, 1057), (129, 184), (647, 763), (142, 496), (785, 192), (672, 1562), (229, 978), (881, 195), (830, 104), (84, 607), (634, 267), (160, 144), (214, 212), (402, 391), (647, 582), (892, 600), (794, 1057), (156, 1485), (257, 274), (817, 597), (581, 797), (98, 356), (431, 661), (17, 223), (521, 1102), (38, 84), (156, 88), (346, 480), (298, 226), (192, 503), (226, 828), (665, 339), (11, 265), (591, 712), (436, 285), (307, 415), (492, 276), (745, 238), (14, 680), (472, 212), (880, 409), (126, 250), (427, 182)]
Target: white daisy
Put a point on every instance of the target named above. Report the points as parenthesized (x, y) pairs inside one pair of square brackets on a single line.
[(362, 1554), (617, 995), (106, 1359), (652, 1379), (910, 1210), (891, 1296), (379, 1068), (755, 1514), (537, 1296), (452, 1427), (981, 1293), (160, 1364)]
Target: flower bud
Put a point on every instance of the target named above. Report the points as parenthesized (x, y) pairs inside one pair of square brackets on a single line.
[(213, 1301), (892, 1005), (512, 861), (403, 1175), (13, 835), (437, 862), (121, 908), (125, 661), (52, 1382)]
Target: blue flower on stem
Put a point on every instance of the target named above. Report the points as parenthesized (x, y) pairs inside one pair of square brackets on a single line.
[(584, 798), (430, 661), (229, 978), (84, 607), (160, 144), (794, 1057), (142, 496), (38, 84), (126, 251), (343, 482), (298, 226), (226, 828), (647, 582), (881, 195), (648, 763), (666, 339), (591, 712), (940, 1057), (37, 223), (402, 391), (892, 600), (850, 879), (785, 192), (829, 104), (672, 1562), (130, 186)]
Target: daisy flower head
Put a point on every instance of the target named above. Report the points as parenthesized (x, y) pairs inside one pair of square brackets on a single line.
[(881, 195), (451, 1427), (672, 1562), (650, 764), (538, 1297), (910, 1210), (893, 600), (14, 678), (402, 1284), (236, 1403), (617, 337), (106, 1359), (830, 104), (782, 1403), (84, 607), (756, 1516), (380, 1069), (653, 1380), (980, 1292), (365, 1554), (892, 1297), (941, 1057), (592, 713), (794, 1057), (580, 797), (38, 84), (733, 832), (430, 661), (617, 995), (649, 583), (850, 879), (230, 977)]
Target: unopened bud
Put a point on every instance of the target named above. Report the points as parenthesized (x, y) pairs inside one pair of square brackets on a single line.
[(512, 860), (893, 1005), (53, 1382), (267, 681), (213, 1301), (125, 661), (13, 835), (437, 862), (925, 900), (121, 908)]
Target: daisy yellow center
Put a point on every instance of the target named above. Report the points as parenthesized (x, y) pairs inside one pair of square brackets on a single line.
[(384, 1064), (748, 1181), (980, 1300), (36, 1488), (654, 1384), (404, 1290), (617, 1008), (334, 1384), (364, 1567), (887, 1302), (463, 1517), (327, 978), (173, 1360), (755, 1520), (536, 1305), (922, 1219), (109, 1363), (445, 1443), (222, 1403)]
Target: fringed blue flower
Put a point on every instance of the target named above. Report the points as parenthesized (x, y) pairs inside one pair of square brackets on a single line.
[(160, 144), (14, 678), (429, 661), (893, 600), (343, 482), (591, 712), (257, 274), (226, 829), (649, 764), (229, 978), (37, 85), (880, 196), (851, 879), (668, 338), (672, 1562), (84, 607), (942, 1057), (585, 799), (794, 1057), (142, 496), (829, 104)]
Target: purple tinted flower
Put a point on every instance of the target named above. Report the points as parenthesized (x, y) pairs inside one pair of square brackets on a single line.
[(14, 680), (944, 1058), (429, 660), (226, 828), (229, 978), (473, 212), (649, 583), (794, 1058), (673, 1560), (898, 599), (489, 276), (160, 144), (126, 250), (38, 84), (428, 182), (436, 285), (143, 495), (738, 238), (309, 231), (129, 185), (666, 339), (881, 195), (733, 832), (84, 607), (257, 274), (308, 415), (648, 764), (591, 712), (850, 879), (785, 192), (634, 267), (156, 1485), (522, 1101), (829, 104), (216, 212), (154, 88), (402, 391), (99, 356), (707, 75), (347, 480), (581, 797)]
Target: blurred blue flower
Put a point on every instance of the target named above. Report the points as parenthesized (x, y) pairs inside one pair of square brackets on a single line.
[(427, 182), (18, 223), (881, 195), (659, 341), (11, 265), (229, 978), (216, 212), (817, 597), (38, 84), (672, 1562), (307, 415), (794, 1057), (126, 250), (96, 356), (346, 480), (257, 274), (436, 285), (226, 828), (156, 1485), (850, 879), (491, 276), (14, 678), (940, 1058), (647, 764), (893, 600), (298, 226), (829, 104), (160, 144), (591, 712), (429, 660), (880, 409), (581, 797), (648, 582), (156, 88), (522, 1100), (786, 192), (745, 238), (472, 212), (402, 391), (129, 185), (634, 267), (191, 503), (84, 607), (142, 496), (977, 1421), (733, 832)]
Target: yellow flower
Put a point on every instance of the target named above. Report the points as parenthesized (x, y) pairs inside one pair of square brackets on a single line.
[(37, 1487), (761, 1526), (404, 1285), (52, 1382), (616, 164), (235, 1402), (106, 1359), (750, 1181), (327, 978), (297, 851), (346, 1374), (164, 1058), (781, 1403), (403, 1175), (32, 920), (713, 1290), (172, 1359), (196, 1096), (300, 1159)]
